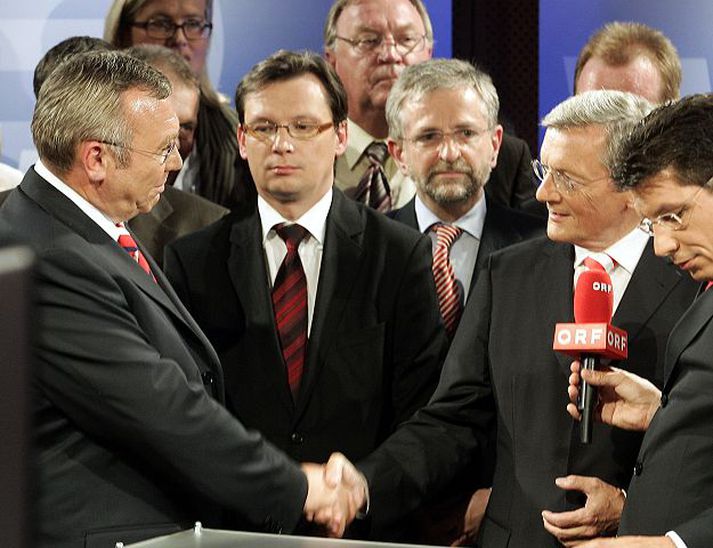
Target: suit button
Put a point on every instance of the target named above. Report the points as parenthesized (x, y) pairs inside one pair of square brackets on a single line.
[(664, 400), (297, 438), (638, 468)]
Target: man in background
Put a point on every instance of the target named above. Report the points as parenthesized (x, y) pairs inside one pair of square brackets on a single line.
[(369, 43), (630, 57)]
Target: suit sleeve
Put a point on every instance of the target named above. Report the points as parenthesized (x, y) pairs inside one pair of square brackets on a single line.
[(98, 366), (447, 435), (698, 531), (419, 340)]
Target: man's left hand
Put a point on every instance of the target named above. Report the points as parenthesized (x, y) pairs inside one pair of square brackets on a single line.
[(599, 515)]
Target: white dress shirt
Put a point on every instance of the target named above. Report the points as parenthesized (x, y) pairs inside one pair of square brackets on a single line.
[(310, 249), (464, 250), (351, 165), (104, 222), (626, 253)]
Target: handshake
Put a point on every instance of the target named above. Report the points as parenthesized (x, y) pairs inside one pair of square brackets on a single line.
[(336, 493)]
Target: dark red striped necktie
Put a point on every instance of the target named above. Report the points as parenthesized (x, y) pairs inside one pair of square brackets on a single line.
[(289, 301), (450, 298), (127, 242)]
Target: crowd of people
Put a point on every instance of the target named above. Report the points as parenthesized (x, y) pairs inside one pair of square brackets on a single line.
[(330, 311)]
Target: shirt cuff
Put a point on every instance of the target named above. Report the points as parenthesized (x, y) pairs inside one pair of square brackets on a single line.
[(678, 541)]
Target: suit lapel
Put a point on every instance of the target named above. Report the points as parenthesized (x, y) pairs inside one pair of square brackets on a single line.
[(340, 265), (650, 282), (559, 273), (497, 233), (112, 255), (249, 276), (686, 329)]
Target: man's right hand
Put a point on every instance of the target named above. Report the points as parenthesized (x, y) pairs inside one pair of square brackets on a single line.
[(625, 400)]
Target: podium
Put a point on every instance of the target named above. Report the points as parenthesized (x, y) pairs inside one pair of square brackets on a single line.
[(215, 538)]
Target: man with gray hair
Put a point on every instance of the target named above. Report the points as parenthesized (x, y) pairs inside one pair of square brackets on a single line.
[(444, 135), (501, 371), (130, 435), (369, 43)]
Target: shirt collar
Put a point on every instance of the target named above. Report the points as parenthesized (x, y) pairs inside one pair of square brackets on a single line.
[(96, 215), (314, 219), (472, 222), (626, 251), (359, 140)]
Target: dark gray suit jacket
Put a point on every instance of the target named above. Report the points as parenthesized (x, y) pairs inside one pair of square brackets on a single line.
[(672, 487), (501, 369), (129, 441)]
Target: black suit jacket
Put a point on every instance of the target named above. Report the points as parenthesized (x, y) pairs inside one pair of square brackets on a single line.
[(501, 369), (511, 181), (176, 214), (129, 441), (376, 342), (503, 226), (672, 487)]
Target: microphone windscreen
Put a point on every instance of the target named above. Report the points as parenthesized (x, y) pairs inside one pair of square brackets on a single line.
[(593, 297)]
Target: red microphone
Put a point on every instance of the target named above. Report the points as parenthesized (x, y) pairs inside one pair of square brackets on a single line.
[(591, 337)]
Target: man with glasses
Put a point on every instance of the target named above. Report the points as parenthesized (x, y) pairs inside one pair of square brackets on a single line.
[(666, 162), (444, 135), (547, 487), (369, 43), (323, 311), (131, 439)]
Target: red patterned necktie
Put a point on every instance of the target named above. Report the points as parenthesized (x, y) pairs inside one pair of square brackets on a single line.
[(447, 289), (127, 242), (373, 188), (289, 301)]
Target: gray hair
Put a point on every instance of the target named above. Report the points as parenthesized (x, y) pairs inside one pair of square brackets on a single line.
[(81, 101), (617, 112), (330, 25), (420, 79), (167, 61)]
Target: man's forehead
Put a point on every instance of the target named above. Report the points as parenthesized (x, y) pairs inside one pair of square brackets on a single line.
[(366, 15)]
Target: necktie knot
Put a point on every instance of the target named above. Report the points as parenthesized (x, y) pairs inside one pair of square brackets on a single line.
[(127, 242), (600, 261), (377, 153), (292, 235), (446, 235)]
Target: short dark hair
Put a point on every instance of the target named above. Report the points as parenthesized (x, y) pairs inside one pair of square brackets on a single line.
[(63, 51), (285, 65), (678, 136)]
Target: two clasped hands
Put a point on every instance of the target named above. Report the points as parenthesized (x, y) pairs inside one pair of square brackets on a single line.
[(336, 493)]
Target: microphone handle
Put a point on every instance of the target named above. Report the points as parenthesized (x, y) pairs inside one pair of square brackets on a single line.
[(587, 401)]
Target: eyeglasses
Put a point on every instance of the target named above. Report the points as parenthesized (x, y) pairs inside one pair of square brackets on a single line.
[(162, 29), (266, 131), (670, 221), (431, 140), (563, 182), (162, 156), (372, 42)]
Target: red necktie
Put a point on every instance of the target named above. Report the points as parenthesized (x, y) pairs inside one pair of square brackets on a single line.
[(373, 188), (447, 289), (289, 301), (129, 244), (709, 285)]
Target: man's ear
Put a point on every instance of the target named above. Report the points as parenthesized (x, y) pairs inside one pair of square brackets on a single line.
[(342, 135), (396, 151), (241, 143), (94, 158)]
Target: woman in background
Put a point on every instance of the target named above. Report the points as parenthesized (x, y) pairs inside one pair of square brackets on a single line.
[(214, 168)]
